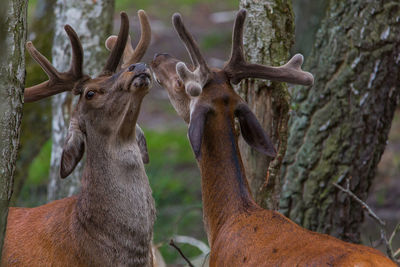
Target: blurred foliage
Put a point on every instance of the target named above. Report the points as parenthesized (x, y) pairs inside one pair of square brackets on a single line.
[(215, 39), (39, 168), (33, 191), (175, 181)]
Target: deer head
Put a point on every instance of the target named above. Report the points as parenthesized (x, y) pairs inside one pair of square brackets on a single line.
[(204, 97), (108, 105)]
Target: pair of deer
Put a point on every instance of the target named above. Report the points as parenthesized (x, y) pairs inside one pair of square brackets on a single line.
[(110, 222)]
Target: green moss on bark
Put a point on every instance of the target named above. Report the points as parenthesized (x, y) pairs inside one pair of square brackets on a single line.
[(340, 125)]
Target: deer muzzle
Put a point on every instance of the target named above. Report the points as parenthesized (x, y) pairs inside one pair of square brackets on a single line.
[(141, 75)]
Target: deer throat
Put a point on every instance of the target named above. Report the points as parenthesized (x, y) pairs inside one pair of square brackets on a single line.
[(115, 212)]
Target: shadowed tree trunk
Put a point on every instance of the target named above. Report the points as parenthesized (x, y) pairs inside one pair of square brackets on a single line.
[(92, 20), (339, 127), (3, 28), (308, 16), (12, 79), (268, 37)]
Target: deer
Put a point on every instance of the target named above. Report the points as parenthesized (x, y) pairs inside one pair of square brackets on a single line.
[(110, 222), (239, 231)]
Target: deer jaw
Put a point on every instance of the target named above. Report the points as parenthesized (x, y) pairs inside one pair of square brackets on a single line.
[(118, 100), (164, 73)]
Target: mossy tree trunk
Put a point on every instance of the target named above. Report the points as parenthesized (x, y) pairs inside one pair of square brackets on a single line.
[(92, 20), (268, 37), (36, 125), (340, 126), (12, 79)]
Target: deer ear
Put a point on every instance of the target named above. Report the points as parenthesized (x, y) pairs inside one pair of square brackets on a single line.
[(141, 140), (73, 149), (252, 132), (196, 128)]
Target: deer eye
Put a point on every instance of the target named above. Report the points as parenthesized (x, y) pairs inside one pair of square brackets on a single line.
[(90, 94)]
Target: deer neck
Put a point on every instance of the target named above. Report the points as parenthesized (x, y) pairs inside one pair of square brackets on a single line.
[(225, 190), (115, 208)]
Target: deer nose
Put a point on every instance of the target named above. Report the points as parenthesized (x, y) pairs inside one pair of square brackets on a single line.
[(138, 67)]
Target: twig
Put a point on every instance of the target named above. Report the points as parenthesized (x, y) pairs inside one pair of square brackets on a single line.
[(388, 243), (397, 253), (362, 203), (172, 244), (395, 231)]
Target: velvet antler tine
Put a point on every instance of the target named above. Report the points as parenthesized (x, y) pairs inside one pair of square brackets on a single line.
[(190, 43), (237, 68), (42, 61), (77, 51), (194, 80), (117, 51), (237, 54), (58, 82), (291, 72), (144, 42)]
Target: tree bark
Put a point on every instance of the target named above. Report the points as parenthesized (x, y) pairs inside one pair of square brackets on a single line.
[(12, 79), (268, 37), (340, 126), (92, 20)]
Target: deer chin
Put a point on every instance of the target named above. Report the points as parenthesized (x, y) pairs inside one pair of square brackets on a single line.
[(141, 81)]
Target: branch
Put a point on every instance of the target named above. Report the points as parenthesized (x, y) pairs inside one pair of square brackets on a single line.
[(363, 204), (172, 244), (193, 242)]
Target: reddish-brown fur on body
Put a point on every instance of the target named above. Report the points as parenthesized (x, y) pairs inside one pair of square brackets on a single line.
[(240, 232), (38, 236), (247, 241)]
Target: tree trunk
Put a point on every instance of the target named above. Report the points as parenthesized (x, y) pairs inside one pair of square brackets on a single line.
[(12, 79), (92, 20), (308, 16), (268, 37), (340, 126), (3, 27), (36, 125)]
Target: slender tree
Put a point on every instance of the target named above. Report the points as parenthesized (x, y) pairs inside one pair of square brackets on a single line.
[(12, 78), (269, 35), (92, 20), (339, 127), (40, 32)]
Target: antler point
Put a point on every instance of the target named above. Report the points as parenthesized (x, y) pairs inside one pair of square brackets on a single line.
[(177, 17)]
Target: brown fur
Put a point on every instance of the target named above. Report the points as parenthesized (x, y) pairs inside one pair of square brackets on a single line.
[(241, 233)]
